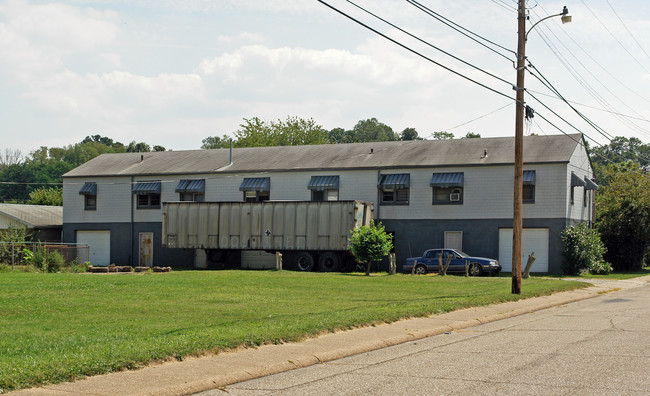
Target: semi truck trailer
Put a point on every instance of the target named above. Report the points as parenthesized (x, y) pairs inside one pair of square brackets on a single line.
[(309, 234)]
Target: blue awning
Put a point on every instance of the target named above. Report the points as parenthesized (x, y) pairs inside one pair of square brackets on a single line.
[(256, 184), (323, 183), (88, 189), (144, 188), (191, 186), (576, 181), (454, 179), (590, 185), (394, 182), (529, 177)]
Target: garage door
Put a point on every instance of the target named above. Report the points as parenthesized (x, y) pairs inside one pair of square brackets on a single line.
[(532, 240), (99, 243), (257, 259)]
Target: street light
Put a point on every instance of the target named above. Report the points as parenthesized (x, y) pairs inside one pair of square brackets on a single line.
[(517, 225)]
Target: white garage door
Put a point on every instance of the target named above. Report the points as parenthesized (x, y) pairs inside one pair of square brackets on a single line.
[(257, 259), (99, 243), (532, 240)]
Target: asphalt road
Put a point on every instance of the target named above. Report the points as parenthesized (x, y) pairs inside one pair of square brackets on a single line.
[(599, 346)]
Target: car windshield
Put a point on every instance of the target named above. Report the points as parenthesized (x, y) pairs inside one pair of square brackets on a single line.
[(462, 254)]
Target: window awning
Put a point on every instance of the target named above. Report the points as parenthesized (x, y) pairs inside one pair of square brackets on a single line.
[(191, 186), (144, 188), (529, 177), (445, 180), (590, 185), (323, 183), (255, 184), (394, 182), (576, 181), (88, 189)]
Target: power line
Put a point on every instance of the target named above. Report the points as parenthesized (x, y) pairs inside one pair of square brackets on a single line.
[(413, 51), (429, 44), (460, 29), (628, 30), (478, 118)]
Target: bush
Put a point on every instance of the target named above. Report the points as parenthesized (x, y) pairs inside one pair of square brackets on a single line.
[(601, 268), (369, 243), (36, 258), (55, 261), (583, 249)]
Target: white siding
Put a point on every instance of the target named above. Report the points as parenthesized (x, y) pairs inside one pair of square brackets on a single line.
[(487, 193), (6, 222), (113, 205), (580, 165)]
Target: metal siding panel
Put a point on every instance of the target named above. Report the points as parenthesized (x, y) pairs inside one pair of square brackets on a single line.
[(312, 227), (224, 225), (267, 225)]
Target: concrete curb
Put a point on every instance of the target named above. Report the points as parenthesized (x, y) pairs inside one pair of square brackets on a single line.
[(201, 374)]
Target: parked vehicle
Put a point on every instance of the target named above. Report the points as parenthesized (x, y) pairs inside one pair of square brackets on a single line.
[(429, 262), (309, 234)]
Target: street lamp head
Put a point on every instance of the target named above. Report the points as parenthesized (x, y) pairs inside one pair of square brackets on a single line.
[(566, 18)]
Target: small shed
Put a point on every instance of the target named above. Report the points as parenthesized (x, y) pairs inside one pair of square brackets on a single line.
[(42, 223)]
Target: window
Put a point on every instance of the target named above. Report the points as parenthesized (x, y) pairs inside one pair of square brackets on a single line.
[(256, 189), (324, 188), (529, 186), (394, 189), (148, 194), (447, 188), (191, 190), (89, 191)]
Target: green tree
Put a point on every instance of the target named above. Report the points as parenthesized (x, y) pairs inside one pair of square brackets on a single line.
[(215, 142), (472, 135), (159, 148), (370, 243), (442, 135), (339, 135), (623, 213), (52, 196), (140, 147), (371, 130), (410, 134), (294, 131)]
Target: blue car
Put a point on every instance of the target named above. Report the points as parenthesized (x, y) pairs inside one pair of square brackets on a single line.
[(429, 263)]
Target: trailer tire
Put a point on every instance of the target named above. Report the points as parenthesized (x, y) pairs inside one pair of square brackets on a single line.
[(329, 262), (347, 264), (304, 261)]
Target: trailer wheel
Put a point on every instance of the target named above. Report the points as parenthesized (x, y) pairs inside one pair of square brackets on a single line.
[(305, 261), (328, 262), (347, 264)]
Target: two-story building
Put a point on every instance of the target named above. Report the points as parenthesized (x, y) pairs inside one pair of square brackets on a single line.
[(444, 193)]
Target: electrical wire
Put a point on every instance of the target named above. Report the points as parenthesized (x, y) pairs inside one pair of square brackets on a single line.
[(477, 118), (460, 29), (429, 44), (628, 30), (412, 50)]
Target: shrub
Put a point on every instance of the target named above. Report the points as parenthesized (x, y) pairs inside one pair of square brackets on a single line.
[(369, 243), (36, 258), (55, 261), (600, 268), (583, 249)]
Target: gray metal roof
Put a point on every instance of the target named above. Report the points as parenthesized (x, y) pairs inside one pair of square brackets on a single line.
[(33, 215), (376, 155)]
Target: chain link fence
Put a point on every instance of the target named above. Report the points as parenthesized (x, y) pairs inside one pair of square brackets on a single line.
[(13, 253)]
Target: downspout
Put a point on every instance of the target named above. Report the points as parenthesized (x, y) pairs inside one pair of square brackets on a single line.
[(132, 225), (378, 195)]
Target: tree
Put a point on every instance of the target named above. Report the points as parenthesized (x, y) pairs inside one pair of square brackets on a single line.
[(370, 243), (472, 135), (141, 147), (410, 134), (339, 135), (52, 196), (623, 213), (215, 142), (619, 150), (442, 135), (371, 130), (294, 131), (10, 157), (158, 148)]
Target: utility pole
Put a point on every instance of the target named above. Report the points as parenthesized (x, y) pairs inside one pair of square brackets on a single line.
[(517, 223)]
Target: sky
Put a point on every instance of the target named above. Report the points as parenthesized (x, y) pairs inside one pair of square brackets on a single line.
[(173, 72)]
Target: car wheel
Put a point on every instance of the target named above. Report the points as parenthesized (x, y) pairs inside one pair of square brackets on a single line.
[(475, 269), (328, 262), (304, 261), (420, 270)]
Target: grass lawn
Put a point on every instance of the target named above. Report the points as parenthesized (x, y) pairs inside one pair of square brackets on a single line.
[(56, 327), (614, 275)]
